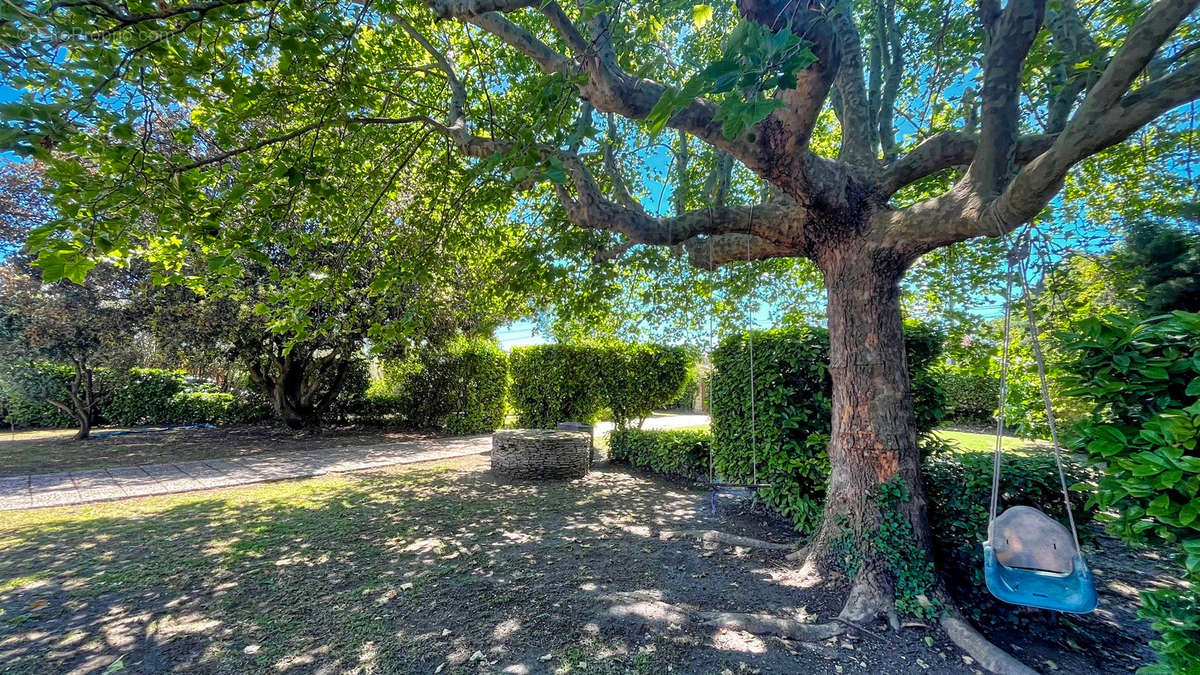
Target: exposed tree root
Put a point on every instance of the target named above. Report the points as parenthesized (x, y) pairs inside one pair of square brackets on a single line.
[(765, 624), (979, 648), (798, 554), (723, 538)]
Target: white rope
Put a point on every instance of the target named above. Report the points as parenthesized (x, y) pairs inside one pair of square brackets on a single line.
[(711, 365), (750, 333), (1003, 396), (1041, 366), (1020, 252)]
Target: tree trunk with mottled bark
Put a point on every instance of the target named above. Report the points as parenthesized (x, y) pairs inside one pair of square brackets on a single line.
[(874, 436)]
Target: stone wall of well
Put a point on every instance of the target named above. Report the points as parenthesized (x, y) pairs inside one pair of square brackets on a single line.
[(541, 453)]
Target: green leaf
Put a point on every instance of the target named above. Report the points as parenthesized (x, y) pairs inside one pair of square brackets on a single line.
[(1189, 512), (1160, 505), (1193, 388), (701, 15)]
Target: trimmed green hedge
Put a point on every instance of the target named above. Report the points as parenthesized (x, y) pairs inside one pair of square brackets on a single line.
[(143, 396), (138, 397), (971, 398), (201, 407), (460, 389), (562, 382), (676, 452), (793, 400), (556, 383), (28, 388), (637, 378)]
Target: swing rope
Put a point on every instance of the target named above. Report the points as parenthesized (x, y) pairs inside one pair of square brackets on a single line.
[(1018, 256), (750, 347), (750, 335)]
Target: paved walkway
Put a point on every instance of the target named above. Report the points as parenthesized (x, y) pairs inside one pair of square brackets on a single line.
[(97, 485), (94, 485)]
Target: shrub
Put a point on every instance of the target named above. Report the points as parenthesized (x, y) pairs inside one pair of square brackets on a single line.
[(200, 407), (460, 389), (561, 382), (676, 452), (556, 383), (29, 387), (958, 489), (793, 398), (1143, 380), (970, 397), (144, 396), (637, 378)]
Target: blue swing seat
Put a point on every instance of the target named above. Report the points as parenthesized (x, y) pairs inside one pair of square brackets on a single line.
[(1044, 567)]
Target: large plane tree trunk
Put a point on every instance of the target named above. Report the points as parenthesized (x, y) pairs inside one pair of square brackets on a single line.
[(874, 439)]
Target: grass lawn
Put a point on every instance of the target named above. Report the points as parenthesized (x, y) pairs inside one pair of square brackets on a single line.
[(986, 442), (44, 451), (431, 568)]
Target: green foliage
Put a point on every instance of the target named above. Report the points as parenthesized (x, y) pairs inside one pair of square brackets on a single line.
[(1167, 260), (793, 400), (894, 541), (958, 488), (460, 388), (556, 383), (1143, 380), (201, 407), (143, 396), (137, 397), (29, 388), (676, 452), (971, 398), (756, 61), (686, 400), (637, 378), (576, 381)]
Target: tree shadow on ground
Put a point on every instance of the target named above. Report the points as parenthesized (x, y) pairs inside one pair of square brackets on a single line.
[(409, 569)]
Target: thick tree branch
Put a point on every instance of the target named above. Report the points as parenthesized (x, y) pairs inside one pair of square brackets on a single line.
[(947, 149), (1107, 116), (709, 253), (858, 133), (546, 58), (609, 88), (1010, 35)]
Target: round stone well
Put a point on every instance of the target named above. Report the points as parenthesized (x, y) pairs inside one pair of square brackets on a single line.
[(541, 453)]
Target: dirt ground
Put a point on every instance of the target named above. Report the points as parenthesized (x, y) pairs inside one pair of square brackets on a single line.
[(44, 451), (445, 569)]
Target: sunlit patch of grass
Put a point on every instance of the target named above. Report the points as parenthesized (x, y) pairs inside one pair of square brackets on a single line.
[(976, 442), (21, 581)]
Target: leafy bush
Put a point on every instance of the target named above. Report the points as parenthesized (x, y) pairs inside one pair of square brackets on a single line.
[(637, 378), (460, 389), (561, 382), (352, 397), (201, 407), (556, 383), (1143, 380), (675, 452), (958, 488), (793, 399), (970, 397), (28, 389), (142, 396)]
